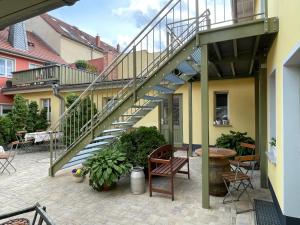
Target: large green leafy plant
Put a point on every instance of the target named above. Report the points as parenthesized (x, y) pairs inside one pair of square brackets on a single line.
[(233, 141), (139, 143), (106, 166)]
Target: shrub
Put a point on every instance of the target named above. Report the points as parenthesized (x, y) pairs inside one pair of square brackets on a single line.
[(91, 68), (33, 117), (7, 133), (233, 141), (105, 167), (82, 115), (139, 143), (42, 123), (19, 113), (81, 64)]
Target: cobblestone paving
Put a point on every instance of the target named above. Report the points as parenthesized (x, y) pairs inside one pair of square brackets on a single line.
[(70, 203)]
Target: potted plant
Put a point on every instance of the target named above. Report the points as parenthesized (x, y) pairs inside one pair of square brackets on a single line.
[(272, 153), (233, 141), (79, 174), (106, 167)]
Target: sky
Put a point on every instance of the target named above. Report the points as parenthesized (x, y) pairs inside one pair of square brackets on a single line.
[(119, 21), (115, 21)]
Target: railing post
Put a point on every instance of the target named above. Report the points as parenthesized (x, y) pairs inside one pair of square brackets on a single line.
[(92, 112), (51, 154), (234, 11), (266, 8), (134, 74), (197, 15)]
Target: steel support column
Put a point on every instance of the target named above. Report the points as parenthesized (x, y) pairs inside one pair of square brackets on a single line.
[(159, 116), (190, 84), (205, 127), (170, 120), (262, 142), (256, 89)]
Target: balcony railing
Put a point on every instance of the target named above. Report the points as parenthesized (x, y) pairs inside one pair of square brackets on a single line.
[(60, 74)]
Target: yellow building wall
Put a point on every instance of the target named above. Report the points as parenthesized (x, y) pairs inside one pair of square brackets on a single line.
[(38, 96), (241, 102), (143, 58), (71, 51), (287, 38), (100, 98)]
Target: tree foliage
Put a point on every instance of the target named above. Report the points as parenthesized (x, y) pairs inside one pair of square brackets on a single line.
[(33, 117), (19, 113), (139, 143), (76, 120)]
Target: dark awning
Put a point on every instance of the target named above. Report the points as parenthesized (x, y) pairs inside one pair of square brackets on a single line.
[(13, 11)]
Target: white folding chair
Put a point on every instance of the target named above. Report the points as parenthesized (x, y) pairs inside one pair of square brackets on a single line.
[(6, 158)]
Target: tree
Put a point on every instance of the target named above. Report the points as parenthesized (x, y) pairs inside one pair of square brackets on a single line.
[(42, 123), (33, 117), (7, 133), (75, 121), (19, 113)]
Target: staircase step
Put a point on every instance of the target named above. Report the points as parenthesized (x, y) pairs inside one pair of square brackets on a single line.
[(113, 130), (122, 123), (186, 68), (74, 163), (106, 137), (174, 79), (86, 151), (163, 90), (142, 107), (133, 115), (96, 144), (153, 98)]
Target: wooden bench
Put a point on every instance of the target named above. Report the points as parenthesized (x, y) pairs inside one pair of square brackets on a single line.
[(161, 162)]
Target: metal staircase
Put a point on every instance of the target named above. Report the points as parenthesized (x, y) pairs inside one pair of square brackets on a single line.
[(161, 58)]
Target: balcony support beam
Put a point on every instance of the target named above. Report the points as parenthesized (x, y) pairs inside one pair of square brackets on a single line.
[(205, 127)]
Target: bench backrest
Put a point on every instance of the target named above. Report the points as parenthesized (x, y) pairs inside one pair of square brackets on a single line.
[(162, 152)]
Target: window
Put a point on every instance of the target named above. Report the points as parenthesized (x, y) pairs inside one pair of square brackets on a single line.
[(5, 109), (46, 104), (33, 66), (221, 108), (7, 66)]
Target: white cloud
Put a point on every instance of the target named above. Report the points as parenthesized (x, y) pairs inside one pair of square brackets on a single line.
[(123, 40), (143, 6)]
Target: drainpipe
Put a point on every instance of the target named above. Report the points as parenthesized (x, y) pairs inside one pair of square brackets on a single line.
[(56, 88)]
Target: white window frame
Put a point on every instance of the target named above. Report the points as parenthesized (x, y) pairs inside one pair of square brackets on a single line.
[(215, 104), (49, 107), (1, 108), (33, 66), (5, 66)]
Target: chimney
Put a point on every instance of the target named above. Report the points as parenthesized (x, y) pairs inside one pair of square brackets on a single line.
[(118, 47), (17, 36), (98, 41)]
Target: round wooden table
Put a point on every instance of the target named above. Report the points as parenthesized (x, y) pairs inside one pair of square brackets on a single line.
[(218, 164)]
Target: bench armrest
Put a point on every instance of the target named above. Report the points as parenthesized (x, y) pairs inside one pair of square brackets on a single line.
[(162, 161)]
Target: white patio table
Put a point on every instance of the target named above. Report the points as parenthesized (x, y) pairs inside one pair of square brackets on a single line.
[(41, 136)]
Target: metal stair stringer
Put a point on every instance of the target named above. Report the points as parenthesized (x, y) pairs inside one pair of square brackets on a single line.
[(174, 60)]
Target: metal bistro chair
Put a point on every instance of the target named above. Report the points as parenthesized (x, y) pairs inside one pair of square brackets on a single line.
[(24, 144), (40, 216), (8, 157), (245, 164)]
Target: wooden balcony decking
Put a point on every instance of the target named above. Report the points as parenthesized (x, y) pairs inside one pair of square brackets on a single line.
[(59, 74)]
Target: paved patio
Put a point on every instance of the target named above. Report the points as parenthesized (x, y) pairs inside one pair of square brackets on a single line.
[(70, 203)]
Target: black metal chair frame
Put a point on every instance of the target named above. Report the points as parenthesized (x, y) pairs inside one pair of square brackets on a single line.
[(40, 216)]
